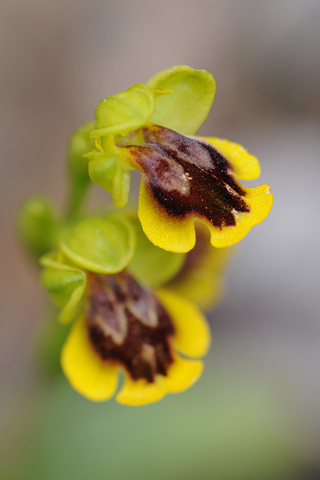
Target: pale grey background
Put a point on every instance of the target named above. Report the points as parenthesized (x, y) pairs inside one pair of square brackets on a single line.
[(58, 59)]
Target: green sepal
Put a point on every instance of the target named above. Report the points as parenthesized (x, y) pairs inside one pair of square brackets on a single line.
[(38, 226), (65, 284), (106, 170), (187, 107), (101, 245), (150, 264), (124, 112)]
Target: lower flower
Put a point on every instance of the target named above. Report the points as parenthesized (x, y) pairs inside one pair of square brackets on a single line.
[(128, 328)]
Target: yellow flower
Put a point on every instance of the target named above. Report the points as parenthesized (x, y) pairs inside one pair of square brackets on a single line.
[(121, 324), (128, 328), (184, 178)]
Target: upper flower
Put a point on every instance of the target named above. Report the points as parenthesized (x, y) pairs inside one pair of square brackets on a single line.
[(121, 325), (148, 128)]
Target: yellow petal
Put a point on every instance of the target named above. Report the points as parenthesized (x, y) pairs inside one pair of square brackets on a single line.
[(202, 288), (140, 392), (182, 374), (260, 200), (173, 234), (86, 371), (246, 166), (192, 334)]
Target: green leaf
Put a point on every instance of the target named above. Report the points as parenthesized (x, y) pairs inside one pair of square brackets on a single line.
[(66, 287), (102, 245), (186, 108), (150, 264), (124, 112), (38, 226), (106, 170)]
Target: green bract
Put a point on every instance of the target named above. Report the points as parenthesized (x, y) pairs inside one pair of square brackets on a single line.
[(101, 245), (65, 284)]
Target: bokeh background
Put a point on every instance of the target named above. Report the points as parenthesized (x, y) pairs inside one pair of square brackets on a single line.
[(255, 414)]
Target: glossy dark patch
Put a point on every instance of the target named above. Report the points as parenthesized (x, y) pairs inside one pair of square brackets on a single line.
[(128, 325), (189, 176)]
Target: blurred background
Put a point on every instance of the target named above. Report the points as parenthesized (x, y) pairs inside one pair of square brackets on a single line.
[(255, 413)]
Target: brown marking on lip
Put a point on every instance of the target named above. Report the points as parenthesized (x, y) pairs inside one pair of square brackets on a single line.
[(128, 325), (188, 176)]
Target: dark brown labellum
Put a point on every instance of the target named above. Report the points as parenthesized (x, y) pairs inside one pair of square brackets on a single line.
[(188, 176), (128, 325)]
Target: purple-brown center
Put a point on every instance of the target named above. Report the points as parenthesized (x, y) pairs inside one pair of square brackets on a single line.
[(189, 176), (128, 325)]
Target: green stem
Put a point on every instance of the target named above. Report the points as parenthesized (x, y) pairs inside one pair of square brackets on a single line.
[(77, 193)]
